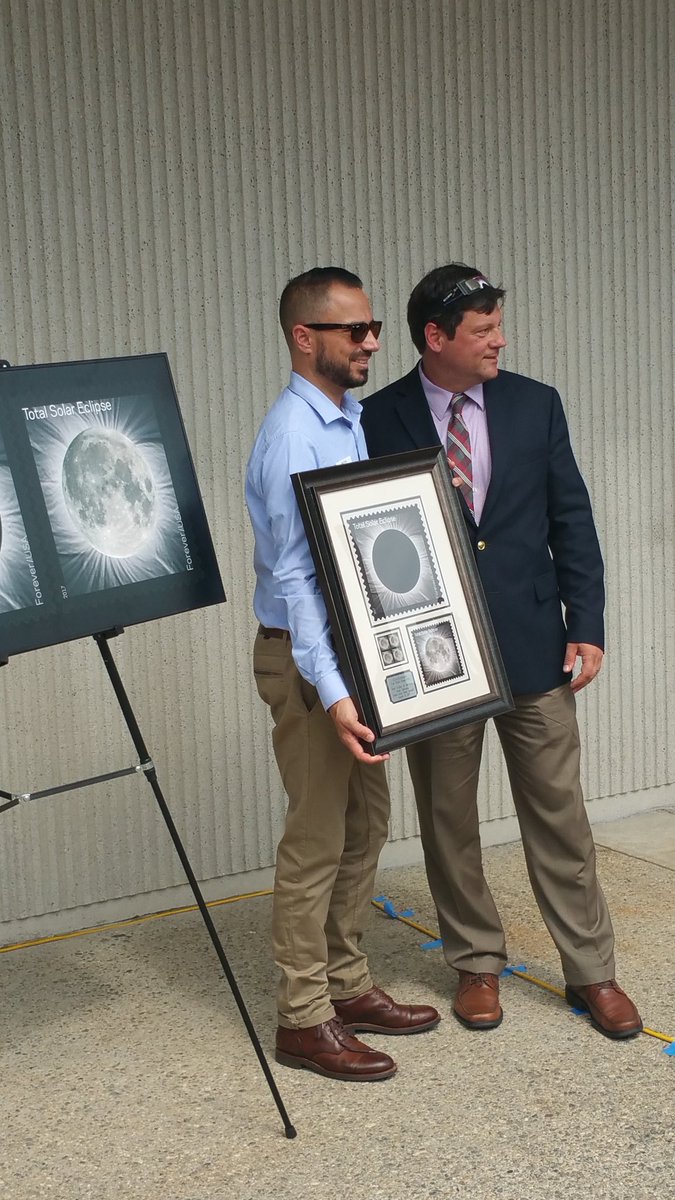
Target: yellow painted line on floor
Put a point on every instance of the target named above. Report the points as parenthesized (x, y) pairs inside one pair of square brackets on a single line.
[(167, 912), (654, 1033), (406, 921), (539, 982)]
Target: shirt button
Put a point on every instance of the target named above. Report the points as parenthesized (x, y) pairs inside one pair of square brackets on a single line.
[(481, 545)]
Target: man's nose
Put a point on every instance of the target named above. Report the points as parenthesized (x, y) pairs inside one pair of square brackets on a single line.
[(370, 342)]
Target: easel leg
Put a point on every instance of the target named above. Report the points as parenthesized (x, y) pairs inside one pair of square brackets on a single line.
[(101, 640)]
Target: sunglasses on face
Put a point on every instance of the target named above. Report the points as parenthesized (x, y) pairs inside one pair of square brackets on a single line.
[(358, 330)]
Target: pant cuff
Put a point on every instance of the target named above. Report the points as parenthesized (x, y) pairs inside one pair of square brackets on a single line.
[(307, 1021)]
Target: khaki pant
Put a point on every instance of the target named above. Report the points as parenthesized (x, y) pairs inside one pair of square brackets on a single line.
[(540, 741), (336, 825)]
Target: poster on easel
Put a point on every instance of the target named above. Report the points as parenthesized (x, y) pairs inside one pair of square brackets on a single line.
[(101, 520)]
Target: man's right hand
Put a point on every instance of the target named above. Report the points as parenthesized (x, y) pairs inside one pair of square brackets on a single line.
[(351, 732)]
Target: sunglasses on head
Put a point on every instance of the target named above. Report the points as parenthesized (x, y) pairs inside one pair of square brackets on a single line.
[(358, 330), (465, 287)]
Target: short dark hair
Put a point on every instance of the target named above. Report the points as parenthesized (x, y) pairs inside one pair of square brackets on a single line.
[(425, 303), (304, 297)]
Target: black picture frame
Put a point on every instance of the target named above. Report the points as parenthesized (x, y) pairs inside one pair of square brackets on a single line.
[(408, 615), (102, 523)]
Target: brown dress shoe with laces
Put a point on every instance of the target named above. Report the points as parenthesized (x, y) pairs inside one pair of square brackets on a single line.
[(477, 1001), (376, 1012), (330, 1050), (612, 1012)]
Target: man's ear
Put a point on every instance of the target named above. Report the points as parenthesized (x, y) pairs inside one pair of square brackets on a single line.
[(434, 336), (302, 338)]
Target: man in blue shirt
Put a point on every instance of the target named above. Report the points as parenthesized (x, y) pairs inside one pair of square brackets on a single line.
[(338, 801)]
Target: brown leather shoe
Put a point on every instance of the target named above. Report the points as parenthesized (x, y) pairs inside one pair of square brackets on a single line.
[(612, 1011), (477, 1001), (330, 1050), (376, 1012)]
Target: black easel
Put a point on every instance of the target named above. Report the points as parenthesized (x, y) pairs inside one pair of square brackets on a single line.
[(147, 766)]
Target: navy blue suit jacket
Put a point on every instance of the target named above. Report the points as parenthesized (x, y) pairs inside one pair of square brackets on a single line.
[(540, 546)]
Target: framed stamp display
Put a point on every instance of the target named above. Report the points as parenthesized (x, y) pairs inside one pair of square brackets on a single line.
[(408, 616)]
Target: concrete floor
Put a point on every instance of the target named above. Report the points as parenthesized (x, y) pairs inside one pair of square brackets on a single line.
[(127, 1073)]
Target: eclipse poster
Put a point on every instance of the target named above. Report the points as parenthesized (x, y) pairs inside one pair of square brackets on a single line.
[(105, 498)]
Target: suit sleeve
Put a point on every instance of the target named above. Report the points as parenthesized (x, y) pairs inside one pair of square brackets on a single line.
[(573, 539)]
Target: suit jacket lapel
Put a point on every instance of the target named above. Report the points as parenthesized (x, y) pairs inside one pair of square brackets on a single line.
[(413, 411)]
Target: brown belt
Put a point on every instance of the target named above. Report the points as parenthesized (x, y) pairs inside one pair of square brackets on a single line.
[(273, 633)]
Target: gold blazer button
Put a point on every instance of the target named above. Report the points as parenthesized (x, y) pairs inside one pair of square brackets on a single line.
[(481, 545)]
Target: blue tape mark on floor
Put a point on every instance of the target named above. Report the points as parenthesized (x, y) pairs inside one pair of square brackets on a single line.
[(391, 910), (435, 945), (510, 969), (670, 1050), (580, 1012)]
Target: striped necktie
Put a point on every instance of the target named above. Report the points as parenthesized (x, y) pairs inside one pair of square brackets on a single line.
[(458, 448)]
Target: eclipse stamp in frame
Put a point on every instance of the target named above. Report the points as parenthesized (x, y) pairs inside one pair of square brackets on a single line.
[(395, 560)]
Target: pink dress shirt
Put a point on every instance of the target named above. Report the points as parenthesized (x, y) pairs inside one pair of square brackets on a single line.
[(473, 415)]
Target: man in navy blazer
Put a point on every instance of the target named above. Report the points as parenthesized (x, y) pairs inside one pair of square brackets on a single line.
[(529, 520)]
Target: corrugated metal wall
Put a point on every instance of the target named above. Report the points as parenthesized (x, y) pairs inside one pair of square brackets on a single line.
[(165, 166)]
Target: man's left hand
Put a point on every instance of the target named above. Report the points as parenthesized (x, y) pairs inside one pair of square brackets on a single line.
[(591, 662)]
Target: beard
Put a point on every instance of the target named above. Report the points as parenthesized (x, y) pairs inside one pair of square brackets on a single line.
[(343, 374)]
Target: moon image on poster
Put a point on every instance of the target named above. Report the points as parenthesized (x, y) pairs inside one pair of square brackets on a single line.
[(109, 491), (109, 496)]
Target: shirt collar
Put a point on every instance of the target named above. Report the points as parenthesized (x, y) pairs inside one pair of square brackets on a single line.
[(321, 403), (439, 399)]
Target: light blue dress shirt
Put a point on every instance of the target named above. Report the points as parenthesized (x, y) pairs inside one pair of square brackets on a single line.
[(303, 430)]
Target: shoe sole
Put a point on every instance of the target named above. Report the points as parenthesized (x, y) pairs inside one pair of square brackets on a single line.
[(616, 1035), (399, 1032), (480, 1025), (289, 1060)]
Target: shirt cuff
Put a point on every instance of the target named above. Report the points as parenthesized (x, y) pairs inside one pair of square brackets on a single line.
[(331, 688)]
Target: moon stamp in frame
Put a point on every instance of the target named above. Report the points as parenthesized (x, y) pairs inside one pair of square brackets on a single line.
[(438, 653)]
